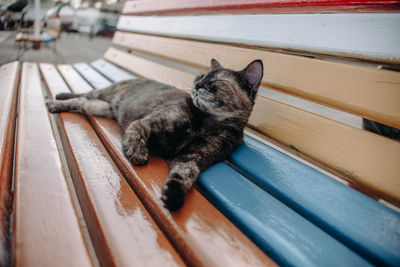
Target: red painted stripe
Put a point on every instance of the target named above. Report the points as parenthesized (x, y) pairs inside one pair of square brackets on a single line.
[(206, 6)]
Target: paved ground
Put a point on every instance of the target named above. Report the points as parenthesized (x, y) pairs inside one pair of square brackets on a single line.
[(70, 48)]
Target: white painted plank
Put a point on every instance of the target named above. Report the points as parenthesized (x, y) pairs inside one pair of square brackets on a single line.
[(97, 80), (111, 71), (369, 35)]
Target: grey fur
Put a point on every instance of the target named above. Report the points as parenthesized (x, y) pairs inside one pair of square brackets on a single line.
[(192, 131)]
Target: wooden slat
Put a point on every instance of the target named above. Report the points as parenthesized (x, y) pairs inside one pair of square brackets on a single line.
[(160, 72), (201, 234), (274, 227), (123, 232), (367, 159), (362, 223), (46, 229), (112, 72), (356, 89), (9, 76), (368, 36), (252, 6), (93, 77), (68, 71)]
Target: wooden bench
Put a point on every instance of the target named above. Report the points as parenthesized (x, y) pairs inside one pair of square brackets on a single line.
[(51, 33), (284, 197)]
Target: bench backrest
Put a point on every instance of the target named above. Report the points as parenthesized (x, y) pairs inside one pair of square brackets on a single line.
[(297, 62)]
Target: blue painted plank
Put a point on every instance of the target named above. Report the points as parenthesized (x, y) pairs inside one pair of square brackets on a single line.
[(95, 79), (360, 222), (112, 72), (283, 234)]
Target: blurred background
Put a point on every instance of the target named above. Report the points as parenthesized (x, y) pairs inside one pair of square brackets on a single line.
[(87, 16), (70, 30)]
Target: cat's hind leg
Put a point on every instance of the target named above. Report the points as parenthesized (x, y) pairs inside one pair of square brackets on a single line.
[(106, 94), (82, 105), (99, 108), (69, 105)]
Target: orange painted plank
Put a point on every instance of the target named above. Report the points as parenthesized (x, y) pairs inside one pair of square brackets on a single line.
[(9, 76), (122, 231), (198, 231), (46, 227)]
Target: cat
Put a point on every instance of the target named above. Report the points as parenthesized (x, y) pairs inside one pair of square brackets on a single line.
[(191, 131)]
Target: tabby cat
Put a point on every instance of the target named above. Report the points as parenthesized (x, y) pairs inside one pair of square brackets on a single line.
[(191, 130)]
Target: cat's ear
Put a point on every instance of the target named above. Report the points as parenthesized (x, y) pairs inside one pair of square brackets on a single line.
[(215, 64), (251, 76)]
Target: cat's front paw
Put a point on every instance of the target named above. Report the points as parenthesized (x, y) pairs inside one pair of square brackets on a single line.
[(136, 153), (173, 195)]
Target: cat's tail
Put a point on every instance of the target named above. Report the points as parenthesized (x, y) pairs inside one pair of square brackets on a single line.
[(64, 96)]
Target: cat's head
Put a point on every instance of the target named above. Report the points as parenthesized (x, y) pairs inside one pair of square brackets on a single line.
[(226, 94)]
